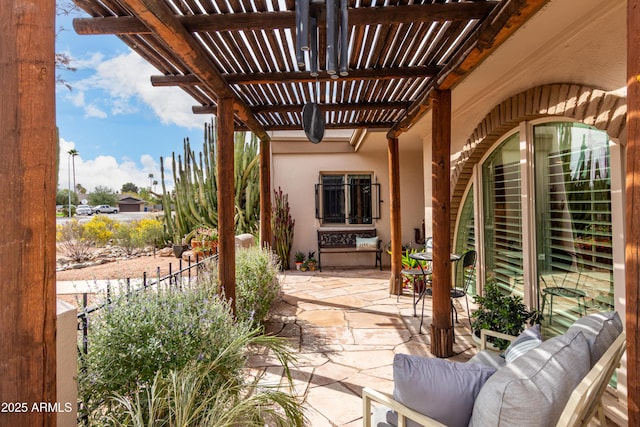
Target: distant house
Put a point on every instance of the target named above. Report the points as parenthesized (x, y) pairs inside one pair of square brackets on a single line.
[(131, 204)]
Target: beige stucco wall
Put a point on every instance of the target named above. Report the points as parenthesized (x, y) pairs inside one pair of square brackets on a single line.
[(67, 364), (297, 164), (568, 41)]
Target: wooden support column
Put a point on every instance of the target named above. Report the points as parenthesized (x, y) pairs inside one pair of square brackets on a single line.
[(632, 248), (393, 154), (266, 235), (28, 180), (226, 202), (441, 326)]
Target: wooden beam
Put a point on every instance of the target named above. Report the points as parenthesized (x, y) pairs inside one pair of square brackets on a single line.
[(226, 202), (632, 243), (256, 21), (344, 125), (28, 177), (297, 108), (441, 327), (266, 234), (395, 218), (160, 19), (498, 27), (303, 76)]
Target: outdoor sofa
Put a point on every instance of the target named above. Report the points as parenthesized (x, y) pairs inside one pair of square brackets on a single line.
[(558, 382)]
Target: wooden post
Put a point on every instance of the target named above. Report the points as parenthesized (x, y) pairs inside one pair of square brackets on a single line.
[(226, 202), (632, 248), (28, 183), (441, 327), (266, 235), (395, 281)]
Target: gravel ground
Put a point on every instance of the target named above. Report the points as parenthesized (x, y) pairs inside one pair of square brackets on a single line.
[(116, 270), (122, 269)]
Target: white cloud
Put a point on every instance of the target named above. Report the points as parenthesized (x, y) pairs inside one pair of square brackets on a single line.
[(93, 111), (123, 82), (106, 171)]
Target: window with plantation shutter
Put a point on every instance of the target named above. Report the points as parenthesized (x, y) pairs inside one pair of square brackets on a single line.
[(573, 211), (503, 216), (569, 269)]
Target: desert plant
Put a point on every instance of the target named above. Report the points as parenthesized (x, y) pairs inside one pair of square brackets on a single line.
[(137, 336), (198, 395), (73, 241), (195, 194), (282, 225), (100, 228), (125, 236), (176, 350), (150, 231), (501, 312), (257, 284), (300, 256)]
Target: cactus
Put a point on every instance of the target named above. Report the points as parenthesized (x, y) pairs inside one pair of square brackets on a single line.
[(195, 195), (282, 225)]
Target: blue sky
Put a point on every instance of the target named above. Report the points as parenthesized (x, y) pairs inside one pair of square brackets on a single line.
[(117, 121)]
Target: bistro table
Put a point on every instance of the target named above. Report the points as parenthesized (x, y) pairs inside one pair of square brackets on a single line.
[(422, 257)]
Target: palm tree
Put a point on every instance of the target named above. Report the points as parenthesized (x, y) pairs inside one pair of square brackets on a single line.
[(73, 153), (150, 181)]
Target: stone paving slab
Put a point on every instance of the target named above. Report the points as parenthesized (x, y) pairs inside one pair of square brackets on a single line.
[(345, 329)]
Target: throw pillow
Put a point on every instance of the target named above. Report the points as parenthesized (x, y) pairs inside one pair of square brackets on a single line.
[(600, 330), (529, 339), (440, 389), (533, 390), (366, 243)]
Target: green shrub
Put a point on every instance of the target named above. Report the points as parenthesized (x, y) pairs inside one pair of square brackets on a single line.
[(126, 237), (137, 336), (257, 284), (195, 396)]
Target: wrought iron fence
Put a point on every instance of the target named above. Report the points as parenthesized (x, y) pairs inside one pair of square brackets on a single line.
[(172, 279)]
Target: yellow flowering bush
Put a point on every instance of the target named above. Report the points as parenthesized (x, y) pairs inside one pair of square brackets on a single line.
[(100, 229), (149, 231)]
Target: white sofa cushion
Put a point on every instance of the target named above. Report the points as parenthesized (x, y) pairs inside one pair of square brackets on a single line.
[(534, 388), (438, 388)]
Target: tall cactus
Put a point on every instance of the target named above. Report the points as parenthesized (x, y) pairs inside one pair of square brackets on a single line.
[(282, 225), (195, 195)]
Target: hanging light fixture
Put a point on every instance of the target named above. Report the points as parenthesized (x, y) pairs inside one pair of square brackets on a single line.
[(309, 15)]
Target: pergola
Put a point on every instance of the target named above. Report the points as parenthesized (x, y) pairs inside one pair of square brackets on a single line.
[(237, 60)]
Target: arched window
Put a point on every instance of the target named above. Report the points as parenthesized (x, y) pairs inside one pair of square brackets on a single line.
[(544, 216)]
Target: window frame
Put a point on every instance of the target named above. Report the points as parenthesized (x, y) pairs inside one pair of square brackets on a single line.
[(525, 128), (373, 200)]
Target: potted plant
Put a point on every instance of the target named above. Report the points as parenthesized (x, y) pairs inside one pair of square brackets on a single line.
[(204, 240), (501, 313), (299, 257), (311, 262)]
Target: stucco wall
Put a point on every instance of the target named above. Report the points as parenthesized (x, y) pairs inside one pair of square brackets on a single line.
[(296, 165), (67, 364)]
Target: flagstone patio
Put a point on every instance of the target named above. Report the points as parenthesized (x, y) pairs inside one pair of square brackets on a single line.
[(345, 328)]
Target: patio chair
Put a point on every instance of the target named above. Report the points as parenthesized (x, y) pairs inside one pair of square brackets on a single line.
[(561, 289), (468, 263)]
